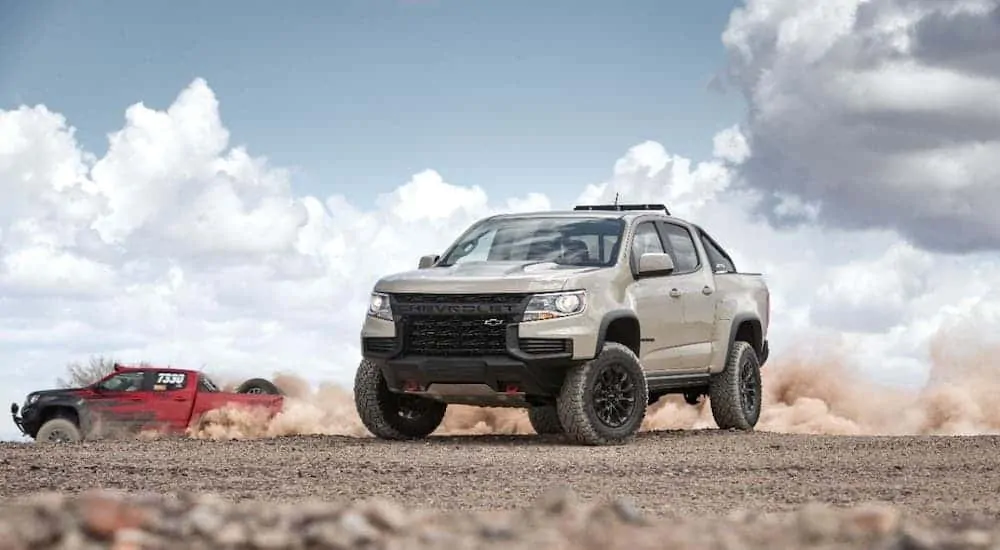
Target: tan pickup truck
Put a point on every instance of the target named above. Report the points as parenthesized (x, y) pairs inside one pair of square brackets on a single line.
[(584, 317)]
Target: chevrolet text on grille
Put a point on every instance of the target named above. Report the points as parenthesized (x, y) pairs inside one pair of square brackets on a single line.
[(459, 309)]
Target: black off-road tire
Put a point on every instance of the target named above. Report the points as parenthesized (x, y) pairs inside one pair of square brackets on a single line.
[(59, 430), (258, 385), (578, 400), (384, 412), (545, 420), (735, 393)]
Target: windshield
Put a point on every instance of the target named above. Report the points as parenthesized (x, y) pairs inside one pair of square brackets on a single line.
[(565, 241)]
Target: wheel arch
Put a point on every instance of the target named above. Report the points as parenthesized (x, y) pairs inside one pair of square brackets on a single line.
[(746, 327), (58, 410), (622, 326)]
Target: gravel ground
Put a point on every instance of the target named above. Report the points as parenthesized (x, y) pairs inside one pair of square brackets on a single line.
[(686, 476)]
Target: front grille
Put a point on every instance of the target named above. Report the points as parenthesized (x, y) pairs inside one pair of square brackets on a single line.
[(379, 344), (457, 325), (456, 335), (540, 346)]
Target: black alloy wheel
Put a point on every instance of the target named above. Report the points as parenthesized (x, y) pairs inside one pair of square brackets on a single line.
[(749, 382), (614, 395)]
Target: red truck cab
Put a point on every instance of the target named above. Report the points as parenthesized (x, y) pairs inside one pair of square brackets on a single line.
[(133, 399)]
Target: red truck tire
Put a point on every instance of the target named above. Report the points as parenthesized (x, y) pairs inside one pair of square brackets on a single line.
[(258, 385)]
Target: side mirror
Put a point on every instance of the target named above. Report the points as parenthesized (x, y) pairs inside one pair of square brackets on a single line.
[(655, 263), (428, 261)]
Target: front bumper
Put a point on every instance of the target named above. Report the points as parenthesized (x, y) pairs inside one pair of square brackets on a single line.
[(528, 367), (18, 420), (502, 375)]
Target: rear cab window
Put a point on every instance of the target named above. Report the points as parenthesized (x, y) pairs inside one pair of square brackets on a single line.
[(717, 258)]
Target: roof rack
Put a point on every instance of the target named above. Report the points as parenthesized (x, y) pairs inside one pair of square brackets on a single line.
[(622, 207)]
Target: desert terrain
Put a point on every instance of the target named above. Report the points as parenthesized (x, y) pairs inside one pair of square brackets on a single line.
[(832, 464), (698, 488)]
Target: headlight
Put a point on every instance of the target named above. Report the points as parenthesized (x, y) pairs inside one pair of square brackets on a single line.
[(378, 306), (32, 397), (555, 305)]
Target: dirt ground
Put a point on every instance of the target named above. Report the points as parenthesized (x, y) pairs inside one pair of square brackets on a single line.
[(719, 489), (664, 473)]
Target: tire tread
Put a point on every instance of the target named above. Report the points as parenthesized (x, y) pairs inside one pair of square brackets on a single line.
[(368, 385), (724, 390), (572, 401)]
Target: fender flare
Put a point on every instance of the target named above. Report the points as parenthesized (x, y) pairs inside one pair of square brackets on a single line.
[(606, 321), (761, 347), (76, 404)]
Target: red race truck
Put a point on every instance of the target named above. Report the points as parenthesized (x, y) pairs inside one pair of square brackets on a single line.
[(134, 399)]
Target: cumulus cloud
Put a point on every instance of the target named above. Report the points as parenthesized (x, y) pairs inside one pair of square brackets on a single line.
[(873, 114)]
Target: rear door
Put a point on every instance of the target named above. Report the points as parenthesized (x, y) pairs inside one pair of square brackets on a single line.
[(172, 398), (692, 286)]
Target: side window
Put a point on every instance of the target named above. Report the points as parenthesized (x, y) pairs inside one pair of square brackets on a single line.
[(646, 240), (684, 253), (126, 381), (169, 381), (716, 257)]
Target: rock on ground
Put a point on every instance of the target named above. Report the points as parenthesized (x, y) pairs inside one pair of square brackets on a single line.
[(557, 520)]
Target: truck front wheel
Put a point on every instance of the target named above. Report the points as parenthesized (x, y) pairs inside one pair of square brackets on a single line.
[(735, 393), (58, 430), (545, 420), (604, 401), (390, 415)]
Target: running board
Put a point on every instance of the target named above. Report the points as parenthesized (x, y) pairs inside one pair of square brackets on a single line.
[(666, 382)]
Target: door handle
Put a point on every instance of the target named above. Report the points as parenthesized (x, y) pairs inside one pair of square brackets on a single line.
[(180, 398), (675, 293), (135, 399), (706, 290)]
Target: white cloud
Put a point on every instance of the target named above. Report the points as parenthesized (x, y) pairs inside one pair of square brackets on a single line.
[(178, 248)]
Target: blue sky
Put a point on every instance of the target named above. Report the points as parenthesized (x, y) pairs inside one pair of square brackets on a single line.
[(356, 96)]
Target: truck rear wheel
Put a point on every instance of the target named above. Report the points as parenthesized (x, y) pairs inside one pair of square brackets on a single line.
[(390, 415), (58, 430), (735, 393), (545, 420), (258, 385), (604, 401)]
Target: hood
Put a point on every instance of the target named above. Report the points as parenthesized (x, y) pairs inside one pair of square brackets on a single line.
[(35, 396), (484, 277), (61, 391)]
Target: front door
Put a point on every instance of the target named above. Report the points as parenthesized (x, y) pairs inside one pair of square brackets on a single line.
[(660, 315), (119, 404)]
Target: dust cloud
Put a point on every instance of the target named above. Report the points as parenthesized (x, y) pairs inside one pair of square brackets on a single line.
[(807, 394)]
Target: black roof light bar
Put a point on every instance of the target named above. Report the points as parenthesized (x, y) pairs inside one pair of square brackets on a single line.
[(622, 207)]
